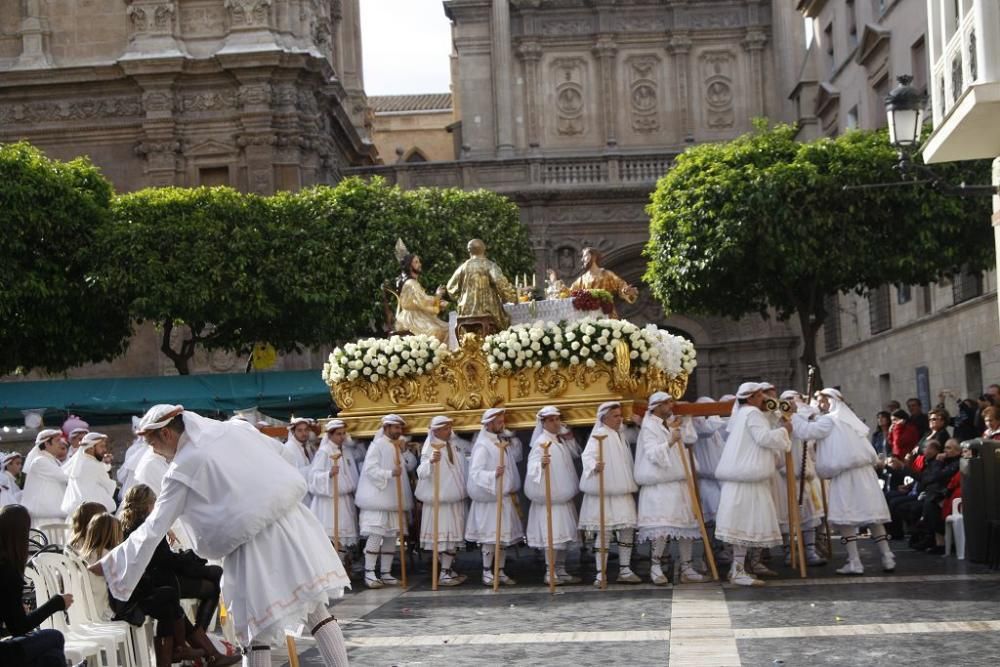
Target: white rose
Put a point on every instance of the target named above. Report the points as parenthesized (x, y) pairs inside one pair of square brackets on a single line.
[(586, 340), (574, 360), (590, 363), (507, 365), (564, 353), (644, 356), (553, 365), (609, 357), (585, 351), (633, 355), (494, 367), (353, 375)]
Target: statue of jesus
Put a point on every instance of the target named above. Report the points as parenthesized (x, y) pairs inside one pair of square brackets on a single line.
[(594, 277)]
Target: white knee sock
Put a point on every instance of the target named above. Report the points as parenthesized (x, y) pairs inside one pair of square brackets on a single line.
[(502, 556), (849, 536), (878, 532), (372, 548), (257, 656), (446, 560), (387, 558), (329, 638), (560, 562), (809, 537), (487, 557), (625, 537), (659, 545), (739, 555), (685, 547)]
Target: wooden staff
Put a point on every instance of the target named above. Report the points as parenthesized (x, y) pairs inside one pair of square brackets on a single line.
[(400, 513), (795, 538), (436, 447), (502, 444), (335, 457), (600, 495), (548, 516), (805, 445), (293, 654), (696, 504), (826, 515)]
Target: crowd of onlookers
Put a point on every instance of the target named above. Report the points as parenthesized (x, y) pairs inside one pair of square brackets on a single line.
[(919, 455)]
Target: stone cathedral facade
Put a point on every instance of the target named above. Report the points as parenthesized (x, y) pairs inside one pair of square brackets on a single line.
[(574, 108)]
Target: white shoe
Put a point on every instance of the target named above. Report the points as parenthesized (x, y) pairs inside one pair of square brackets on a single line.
[(371, 581), (487, 577), (888, 563), (762, 570), (565, 577), (689, 575), (450, 578), (657, 577), (813, 558), (389, 580), (505, 580), (558, 582), (627, 576), (852, 567), (597, 581), (738, 577)]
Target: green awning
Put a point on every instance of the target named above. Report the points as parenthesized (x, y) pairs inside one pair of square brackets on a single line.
[(110, 400)]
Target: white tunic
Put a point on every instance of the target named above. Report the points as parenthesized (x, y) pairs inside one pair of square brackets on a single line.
[(126, 473), (482, 486), (848, 461), (88, 482), (747, 515), (811, 507), (321, 486), (150, 470), (452, 497), (564, 488), (300, 455), (44, 487), (707, 453), (665, 508), (10, 492), (376, 495), (243, 504), (619, 484)]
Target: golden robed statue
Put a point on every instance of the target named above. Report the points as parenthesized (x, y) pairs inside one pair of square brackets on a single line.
[(480, 288), (417, 311), (594, 277)]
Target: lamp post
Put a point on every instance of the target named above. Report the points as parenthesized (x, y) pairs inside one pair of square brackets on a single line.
[(904, 108)]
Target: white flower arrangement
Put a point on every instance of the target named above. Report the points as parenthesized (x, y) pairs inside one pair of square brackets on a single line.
[(375, 359), (585, 342)]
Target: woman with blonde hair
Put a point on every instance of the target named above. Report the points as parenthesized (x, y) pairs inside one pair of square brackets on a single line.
[(78, 523), (102, 534)]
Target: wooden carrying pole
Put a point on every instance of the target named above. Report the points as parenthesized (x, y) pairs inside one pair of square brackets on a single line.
[(795, 538), (335, 458), (436, 448), (696, 504), (551, 552), (502, 444), (400, 513), (601, 523)]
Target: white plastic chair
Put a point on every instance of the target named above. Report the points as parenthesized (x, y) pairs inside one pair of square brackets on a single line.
[(75, 649), (954, 528), (55, 532)]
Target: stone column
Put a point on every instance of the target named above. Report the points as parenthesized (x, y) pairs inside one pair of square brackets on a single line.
[(605, 50), (258, 137), (159, 146), (34, 31), (531, 54), (500, 54), (679, 46), (753, 44)]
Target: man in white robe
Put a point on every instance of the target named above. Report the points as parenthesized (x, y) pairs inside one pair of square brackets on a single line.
[(126, 471), (45, 478), (452, 497), (844, 456), (564, 488), (707, 452), (301, 448), (151, 469), (88, 476), (10, 467), (321, 475), (485, 470), (665, 509), (747, 517), (243, 504), (619, 487), (377, 498), (811, 507)]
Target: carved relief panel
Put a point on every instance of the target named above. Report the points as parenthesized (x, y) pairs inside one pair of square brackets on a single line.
[(569, 79), (642, 74), (717, 71)]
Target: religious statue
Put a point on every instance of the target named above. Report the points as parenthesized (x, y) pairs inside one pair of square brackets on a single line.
[(594, 277), (417, 311), (480, 288), (554, 287)]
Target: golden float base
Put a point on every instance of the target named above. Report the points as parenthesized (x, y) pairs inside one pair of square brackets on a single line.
[(463, 386)]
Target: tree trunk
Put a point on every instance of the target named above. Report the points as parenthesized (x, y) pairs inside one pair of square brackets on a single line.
[(186, 353), (810, 325)]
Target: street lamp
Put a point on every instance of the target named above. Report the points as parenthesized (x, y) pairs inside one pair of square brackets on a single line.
[(904, 108)]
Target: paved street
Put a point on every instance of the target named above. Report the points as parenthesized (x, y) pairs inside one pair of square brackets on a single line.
[(932, 611)]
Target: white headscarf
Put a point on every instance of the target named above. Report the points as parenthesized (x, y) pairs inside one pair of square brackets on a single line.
[(158, 416), (7, 457), (602, 410), (547, 411), (841, 412), (388, 419)]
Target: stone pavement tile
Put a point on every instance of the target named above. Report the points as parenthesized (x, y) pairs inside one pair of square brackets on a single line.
[(532, 612), (852, 604), (577, 654), (960, 649)]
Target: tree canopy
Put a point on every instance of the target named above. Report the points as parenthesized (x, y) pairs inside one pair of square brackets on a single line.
[(55, 310), (764, 222)]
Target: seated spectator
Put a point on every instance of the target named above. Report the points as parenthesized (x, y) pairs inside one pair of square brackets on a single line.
[(880, 436), (903, 436), (192, 576), (934, 490), (102, 533), (991, 420), (10, 468), (917, 416), (985, 401), (27, 647), (88, 475), (903, 499), (964, 423), (938, 419), (78, 524)]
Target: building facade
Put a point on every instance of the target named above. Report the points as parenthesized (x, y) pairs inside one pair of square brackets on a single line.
[(935, 342), (413, 128), (574, 108)]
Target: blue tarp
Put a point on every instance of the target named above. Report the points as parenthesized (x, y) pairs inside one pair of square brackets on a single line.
[(106, 400)]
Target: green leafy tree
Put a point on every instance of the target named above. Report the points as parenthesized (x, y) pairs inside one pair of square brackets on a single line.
[(764, 223), (55, 311)]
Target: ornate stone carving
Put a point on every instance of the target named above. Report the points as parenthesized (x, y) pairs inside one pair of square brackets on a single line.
[(567, 27), (717, 74), (157, 100), (151, 17), (47, 112), (248, 13), (629, 23), (200, 20), (715, 20), (568, 73), (255, 94), (643, 92), (208, 101)]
